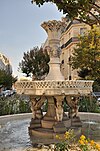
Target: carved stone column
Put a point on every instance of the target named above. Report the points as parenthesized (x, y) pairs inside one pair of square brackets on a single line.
[(72, 102), (51, 108), (36, 103), (59, 107), (49, 118), (54, 29)]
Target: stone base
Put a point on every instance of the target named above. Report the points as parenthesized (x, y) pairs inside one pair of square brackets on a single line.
[(50, 128), (48, 118), (35, 123), (42, 133), (59, 127), (32, 126), (67, 123), (48, 123), (76, 122)]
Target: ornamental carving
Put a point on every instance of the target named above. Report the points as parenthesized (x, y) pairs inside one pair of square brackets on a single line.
[(53, 25), (54, 29), (54, 87)]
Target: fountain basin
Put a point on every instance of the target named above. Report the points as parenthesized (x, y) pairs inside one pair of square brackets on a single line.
[(14, 132), (53, 87)]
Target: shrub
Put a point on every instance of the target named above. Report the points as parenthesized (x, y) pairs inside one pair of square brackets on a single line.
[(87, 104)]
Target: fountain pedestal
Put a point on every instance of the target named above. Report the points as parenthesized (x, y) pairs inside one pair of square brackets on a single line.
[(54, 89)]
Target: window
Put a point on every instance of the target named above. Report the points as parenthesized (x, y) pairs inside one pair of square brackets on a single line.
[(69, 35), (69, 58), (70, 77), (62, 62)]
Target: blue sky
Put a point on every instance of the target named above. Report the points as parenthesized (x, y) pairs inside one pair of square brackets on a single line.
[(20, 27)]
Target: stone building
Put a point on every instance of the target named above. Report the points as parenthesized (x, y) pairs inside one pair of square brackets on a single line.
[(5, 64), (69, 39)]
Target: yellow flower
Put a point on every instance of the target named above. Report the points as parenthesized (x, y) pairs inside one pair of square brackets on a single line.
[(92, 46), (67, 133), (82, 137), (92, 142), (97, 146), (81, 142), (86, 141), (57, 136)]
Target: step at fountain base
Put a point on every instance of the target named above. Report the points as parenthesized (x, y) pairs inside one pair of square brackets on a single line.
[(59, 128), (50, 128), (42, 133), (48, 123), (76, 122)]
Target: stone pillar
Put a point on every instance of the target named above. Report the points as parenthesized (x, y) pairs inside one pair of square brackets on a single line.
[(49, 118), (59, 108), (36, 104), (54, 29), (51, 108)]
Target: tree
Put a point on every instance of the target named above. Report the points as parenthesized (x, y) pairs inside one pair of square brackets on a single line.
[(87, 104), (35, 62), (6, 79), (87, 11), (86, 56)]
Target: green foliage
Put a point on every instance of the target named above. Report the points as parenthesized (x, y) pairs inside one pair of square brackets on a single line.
[(35, 62), (83, 73), (88, 104), (96, 85), (76, 9), (61, 146), (65, 106), (44, 106), (6, 79), (65, 141), (86, 56), (14, 104)]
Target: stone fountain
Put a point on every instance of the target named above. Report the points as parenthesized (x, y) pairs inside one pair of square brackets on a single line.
[(55, 90)]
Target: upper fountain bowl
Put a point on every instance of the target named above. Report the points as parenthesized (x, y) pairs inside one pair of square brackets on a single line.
[(54, 87)]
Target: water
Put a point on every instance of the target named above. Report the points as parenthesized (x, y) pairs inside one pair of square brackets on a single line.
[(91, 129), (14, 134)]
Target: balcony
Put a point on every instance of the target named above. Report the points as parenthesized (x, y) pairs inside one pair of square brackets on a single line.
[(73, 39)]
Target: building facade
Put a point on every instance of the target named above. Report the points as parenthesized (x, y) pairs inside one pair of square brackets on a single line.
[(5, 64), (69, 40)]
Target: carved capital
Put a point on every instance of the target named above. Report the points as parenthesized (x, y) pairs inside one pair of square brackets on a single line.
[(54, 29), (53, 25)]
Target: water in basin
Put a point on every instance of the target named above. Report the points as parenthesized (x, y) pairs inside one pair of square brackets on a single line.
[(14, 134)]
